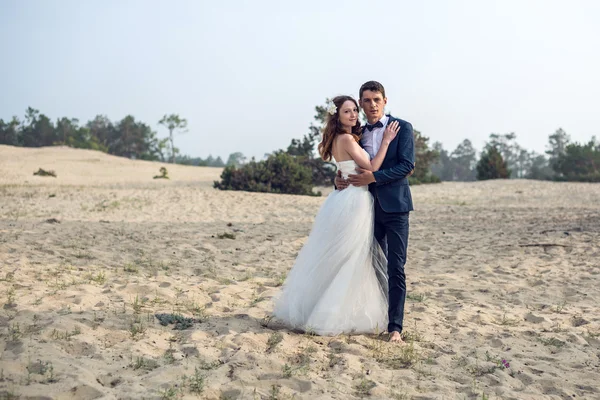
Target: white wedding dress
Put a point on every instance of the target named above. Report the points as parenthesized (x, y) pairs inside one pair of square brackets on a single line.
[(338, 283)]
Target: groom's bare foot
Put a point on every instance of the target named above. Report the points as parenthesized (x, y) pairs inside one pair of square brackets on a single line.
[(395, 337)]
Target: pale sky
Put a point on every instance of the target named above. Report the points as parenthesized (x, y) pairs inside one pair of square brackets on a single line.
[(248, 74)]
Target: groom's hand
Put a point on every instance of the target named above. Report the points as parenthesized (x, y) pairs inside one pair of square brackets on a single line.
[(340, 183), (362, 179)]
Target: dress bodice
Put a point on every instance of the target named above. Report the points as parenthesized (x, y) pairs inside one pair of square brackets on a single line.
[(347, 167)]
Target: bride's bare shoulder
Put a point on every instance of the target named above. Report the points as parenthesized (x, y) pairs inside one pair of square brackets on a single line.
[(341, 147), (344, 138)]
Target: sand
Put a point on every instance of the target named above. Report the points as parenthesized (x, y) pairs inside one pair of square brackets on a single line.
[(498, 270)]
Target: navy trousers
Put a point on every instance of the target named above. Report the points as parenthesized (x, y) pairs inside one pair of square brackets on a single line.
[(391, 231)]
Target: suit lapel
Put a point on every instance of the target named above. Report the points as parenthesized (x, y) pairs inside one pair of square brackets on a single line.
[(389, 153)]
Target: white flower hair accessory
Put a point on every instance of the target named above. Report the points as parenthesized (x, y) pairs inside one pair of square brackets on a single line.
[(331, 108)]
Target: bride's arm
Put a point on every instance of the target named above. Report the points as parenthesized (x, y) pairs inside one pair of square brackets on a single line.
[(361, 157), (390, 133)]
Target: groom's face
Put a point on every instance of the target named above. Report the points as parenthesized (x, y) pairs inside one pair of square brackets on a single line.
[(373, 104)]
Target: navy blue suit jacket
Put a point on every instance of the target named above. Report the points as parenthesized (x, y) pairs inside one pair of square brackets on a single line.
[(391, 187)]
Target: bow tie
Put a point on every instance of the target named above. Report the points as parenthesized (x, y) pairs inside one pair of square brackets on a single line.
[(377, 124)]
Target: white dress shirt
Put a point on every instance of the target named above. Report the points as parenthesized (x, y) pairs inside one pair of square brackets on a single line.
[(371, 141)]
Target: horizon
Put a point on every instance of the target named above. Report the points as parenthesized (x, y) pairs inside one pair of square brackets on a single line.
[(224, 157)]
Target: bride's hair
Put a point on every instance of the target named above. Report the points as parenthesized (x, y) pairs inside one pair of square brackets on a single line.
[(334, 128)]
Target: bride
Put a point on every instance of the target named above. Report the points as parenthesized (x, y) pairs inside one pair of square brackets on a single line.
[(338, 283)]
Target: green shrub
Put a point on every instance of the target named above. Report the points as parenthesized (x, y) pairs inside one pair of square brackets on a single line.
[(279, 173)]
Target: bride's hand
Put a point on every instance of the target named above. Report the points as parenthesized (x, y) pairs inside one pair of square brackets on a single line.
[(390, 132)]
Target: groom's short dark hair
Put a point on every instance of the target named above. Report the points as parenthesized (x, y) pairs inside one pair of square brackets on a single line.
[(373, 86)]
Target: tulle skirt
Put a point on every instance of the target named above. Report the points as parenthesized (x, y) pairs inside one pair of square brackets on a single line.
[(338, 283)]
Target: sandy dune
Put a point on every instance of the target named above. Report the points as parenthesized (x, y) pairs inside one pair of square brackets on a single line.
[(502, 270)]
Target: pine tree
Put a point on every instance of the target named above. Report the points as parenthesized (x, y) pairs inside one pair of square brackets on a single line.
[(492, 165)]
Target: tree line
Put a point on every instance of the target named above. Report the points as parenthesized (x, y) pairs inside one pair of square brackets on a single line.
[(125, 138), (503, 158)]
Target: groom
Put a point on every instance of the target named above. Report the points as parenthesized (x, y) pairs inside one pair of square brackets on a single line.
[(391, 193)]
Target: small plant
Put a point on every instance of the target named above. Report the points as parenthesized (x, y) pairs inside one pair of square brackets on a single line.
[(274, 340), (66, 335), (301, 360), (51, 377), (34, 326), (105, 205), (99, 278), (169, 393), (208, 366), (266, 320), (287, 371), (398, 396), (65, 311), (334, 359), (398, 357), (364, 386), (144, 364), (41, 368), (10, 298), (14, 332), (280, 280), (275, 389), (224, 280), (137, 304), (43, 172), (136, 330), (131, 268), (479, 370), (178, 320), (168, 356), (157, 300), (196, 382), (417, 297), (256, 298), (164, 174), (560, 307), (84, 255), (226, 235), (412, 336), (507, 321), (552, 342)]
